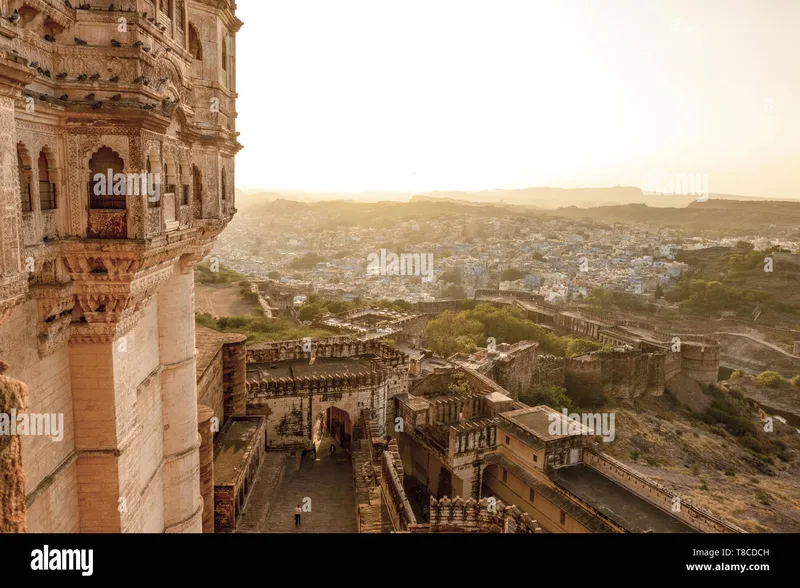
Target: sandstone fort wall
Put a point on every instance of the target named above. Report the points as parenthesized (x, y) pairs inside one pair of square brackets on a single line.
[(662, 497)]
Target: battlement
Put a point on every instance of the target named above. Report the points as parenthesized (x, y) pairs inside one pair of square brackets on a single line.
[(471, 516), (336, 346), (690, 513), (314, 384), (394, 496)]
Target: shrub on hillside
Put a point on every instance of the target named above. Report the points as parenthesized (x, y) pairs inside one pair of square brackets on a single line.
[(769, 379)]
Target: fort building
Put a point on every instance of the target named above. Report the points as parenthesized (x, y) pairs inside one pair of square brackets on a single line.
[(97, 285), (305, 386)]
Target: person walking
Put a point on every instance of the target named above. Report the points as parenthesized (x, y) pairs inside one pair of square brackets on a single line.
[(333, 449), (297, 512)]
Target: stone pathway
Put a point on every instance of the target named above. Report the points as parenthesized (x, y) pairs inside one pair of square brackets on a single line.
[(263, 493), (328, 482)]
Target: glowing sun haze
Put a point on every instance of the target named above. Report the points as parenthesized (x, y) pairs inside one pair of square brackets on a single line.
[(419, 95)]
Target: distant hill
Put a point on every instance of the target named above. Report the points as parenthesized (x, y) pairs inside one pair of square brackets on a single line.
[(578, 197), (732, 216), (542, 198), (551, 197)]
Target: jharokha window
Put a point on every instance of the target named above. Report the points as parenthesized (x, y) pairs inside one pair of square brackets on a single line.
[(195, 45), (154, 200), (179, 20), (47, 189), (184, 188), (24, 185), (224, 195), (106, 163)]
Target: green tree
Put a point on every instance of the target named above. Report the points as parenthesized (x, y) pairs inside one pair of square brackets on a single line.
[(548, 394), (453, 291), (308, 312), (512, 274), (446, 333), (451, 276)]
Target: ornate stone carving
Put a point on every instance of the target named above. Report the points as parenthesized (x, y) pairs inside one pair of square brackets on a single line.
[(107, 224)]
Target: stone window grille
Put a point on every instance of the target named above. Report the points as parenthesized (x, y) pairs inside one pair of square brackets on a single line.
[(47, 189), (24, 189)]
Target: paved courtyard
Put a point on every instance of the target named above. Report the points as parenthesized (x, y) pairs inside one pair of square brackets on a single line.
[(327, 481)]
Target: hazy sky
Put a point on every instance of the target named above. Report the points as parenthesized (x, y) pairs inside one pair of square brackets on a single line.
[(417, 95)]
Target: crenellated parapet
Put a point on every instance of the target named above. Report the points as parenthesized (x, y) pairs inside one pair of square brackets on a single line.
[(485, 516), (322, 384), (337, 346)]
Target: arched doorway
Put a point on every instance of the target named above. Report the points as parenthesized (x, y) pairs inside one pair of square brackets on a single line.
[(333, 425), (107, 210), (106, 191)]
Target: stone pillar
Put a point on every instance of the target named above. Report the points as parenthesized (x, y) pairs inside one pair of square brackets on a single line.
[(183, 505), (96, 415), (13, 396), (234, 376), (13, 279), (204, 416)]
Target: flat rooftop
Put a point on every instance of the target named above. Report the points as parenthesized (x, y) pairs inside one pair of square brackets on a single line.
[(208, 342), (301, 368), (231, 450), (577, 316), (616, 502), (534, 308), (497, 397), (536, 421)]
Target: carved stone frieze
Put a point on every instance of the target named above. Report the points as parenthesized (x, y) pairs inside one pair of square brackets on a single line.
[(13, 290)]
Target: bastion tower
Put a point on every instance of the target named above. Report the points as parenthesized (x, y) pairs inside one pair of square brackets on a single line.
[(97, 287)]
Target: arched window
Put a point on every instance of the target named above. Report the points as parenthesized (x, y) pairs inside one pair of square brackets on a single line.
[(153, 200), (197, 183), (179, 14), (106, 168), (24, 183), (224, 194), (26, 15), (195, 45), (185, 187), (47, 189)]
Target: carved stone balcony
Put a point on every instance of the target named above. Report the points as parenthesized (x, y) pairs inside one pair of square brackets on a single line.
[(107, 224)]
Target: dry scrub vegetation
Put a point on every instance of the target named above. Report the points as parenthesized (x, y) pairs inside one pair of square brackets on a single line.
[(743, 474)]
